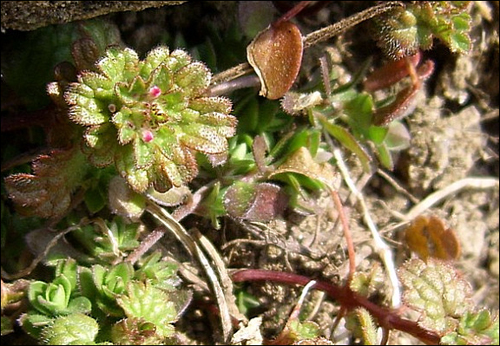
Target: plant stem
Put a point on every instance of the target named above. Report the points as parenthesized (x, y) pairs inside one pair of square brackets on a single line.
[(292, 13), (387, 318), (347, 23), (347, 234)]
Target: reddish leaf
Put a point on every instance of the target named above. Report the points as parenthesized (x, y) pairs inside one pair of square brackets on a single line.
[(47, 192), (255, 202)]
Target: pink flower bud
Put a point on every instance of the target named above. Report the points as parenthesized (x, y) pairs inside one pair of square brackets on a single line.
[(147, 136), (154, 91)]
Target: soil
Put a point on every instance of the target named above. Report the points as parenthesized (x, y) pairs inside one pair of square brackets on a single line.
[(454, 135)]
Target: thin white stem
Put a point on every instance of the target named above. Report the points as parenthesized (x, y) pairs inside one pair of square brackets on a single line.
[(178, 230), (381, 247), (439, 195)]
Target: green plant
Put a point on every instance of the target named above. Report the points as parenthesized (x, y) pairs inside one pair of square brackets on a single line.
[(132, 304), (405, 30), (133, 135), (150, 117)]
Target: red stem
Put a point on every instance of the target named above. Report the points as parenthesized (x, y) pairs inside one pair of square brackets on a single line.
[(387, 318), (347, 235), (292, 13)]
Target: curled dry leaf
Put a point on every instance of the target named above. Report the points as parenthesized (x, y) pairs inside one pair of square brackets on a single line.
[(301, 162), (276, 56)]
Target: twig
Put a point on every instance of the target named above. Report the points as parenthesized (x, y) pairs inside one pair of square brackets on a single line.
[(396, 185), (347, 23), (437, 196), (151, 239), (226, 283)]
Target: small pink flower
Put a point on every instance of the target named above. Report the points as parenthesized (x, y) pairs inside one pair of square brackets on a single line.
[(154, 91), (147, 136)]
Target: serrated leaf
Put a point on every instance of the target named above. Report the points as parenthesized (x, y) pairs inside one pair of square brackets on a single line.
[(476, 328), (118, 63), (460, 43), (438, 291), (142, 300), (154, 58), (149, 117), (177, 60), (144, 154), (73, 329), (47, 192), (135, 331), (211, 105), (193, 78), (162, 78)]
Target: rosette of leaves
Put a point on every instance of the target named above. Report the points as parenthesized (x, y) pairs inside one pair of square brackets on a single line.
[(150, 117)]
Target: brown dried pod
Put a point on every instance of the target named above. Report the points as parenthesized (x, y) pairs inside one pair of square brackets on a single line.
[(276, 56)]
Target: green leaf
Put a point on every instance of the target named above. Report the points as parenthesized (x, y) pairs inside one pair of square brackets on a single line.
[(53, 298), (118, 63), (68, 268), (144, 301), (108, 284), (384, 156), (377, 134), (476, 328), (154, 58), (305, 330), (460, 43), (33, 323), (161, 273), (347, 140), (73, 329), (437, 289)]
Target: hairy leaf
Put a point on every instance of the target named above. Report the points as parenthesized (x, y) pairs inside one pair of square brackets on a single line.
[(48, 190)]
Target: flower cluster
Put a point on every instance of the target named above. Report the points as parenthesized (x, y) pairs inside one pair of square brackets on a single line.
[(149, 117)]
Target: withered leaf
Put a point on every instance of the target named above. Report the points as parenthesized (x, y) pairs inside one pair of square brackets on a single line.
[(276, 56), (428, 237), (302, 162)]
